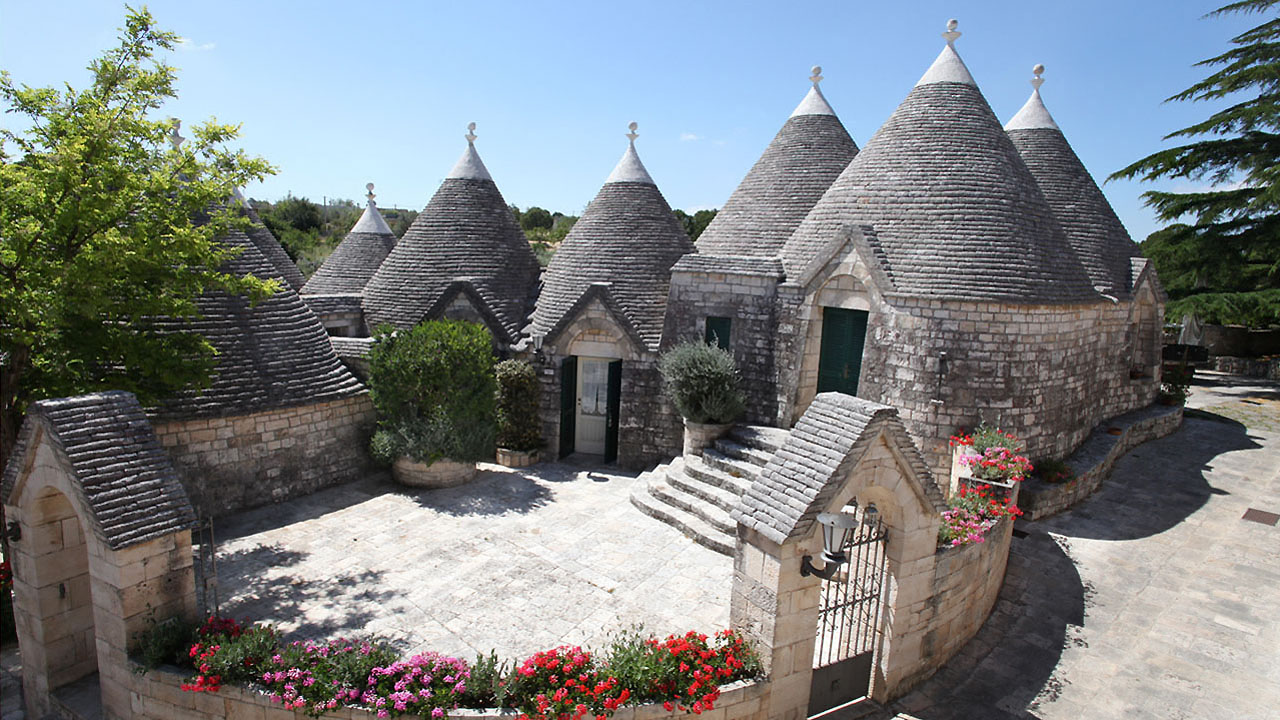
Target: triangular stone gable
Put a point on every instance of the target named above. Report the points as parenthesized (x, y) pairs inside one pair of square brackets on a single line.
[(851, 240), (465, 289), (120, 475), (812, 466), (599, 297)]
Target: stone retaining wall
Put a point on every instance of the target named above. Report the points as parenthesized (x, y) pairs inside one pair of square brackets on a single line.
[(1268, 368), (228, 464), (966, 584), (157, 695), (1093, 462)]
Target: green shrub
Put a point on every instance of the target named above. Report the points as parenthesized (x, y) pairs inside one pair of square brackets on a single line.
[(488, 685), (702, 382), (1175, 383), (165, 642), (519, 427), (1054, 471), (433, 388)]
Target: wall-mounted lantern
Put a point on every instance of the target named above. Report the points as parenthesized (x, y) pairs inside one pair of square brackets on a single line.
[(837, 532)]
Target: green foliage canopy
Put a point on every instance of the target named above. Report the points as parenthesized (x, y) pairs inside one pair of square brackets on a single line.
[(104, 226), (433, 390), (519, 427), (1227, 238)]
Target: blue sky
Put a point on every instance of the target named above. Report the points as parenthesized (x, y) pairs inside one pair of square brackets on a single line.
[(339, 94)]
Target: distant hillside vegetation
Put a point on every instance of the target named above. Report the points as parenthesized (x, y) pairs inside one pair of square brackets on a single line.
[(310, 231)]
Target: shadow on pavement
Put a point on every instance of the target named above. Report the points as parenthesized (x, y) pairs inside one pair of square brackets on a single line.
[(324, 608), (493, 492), (1158, 484)]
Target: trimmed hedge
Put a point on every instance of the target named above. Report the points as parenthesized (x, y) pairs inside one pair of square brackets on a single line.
[(519, 427)]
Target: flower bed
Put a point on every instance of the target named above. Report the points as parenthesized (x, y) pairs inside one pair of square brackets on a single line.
[(972, 512), (990, 464), (565, 683)]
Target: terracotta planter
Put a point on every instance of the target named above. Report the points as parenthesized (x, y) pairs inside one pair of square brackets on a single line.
[(517, 458), (439, 474), (698, 436)]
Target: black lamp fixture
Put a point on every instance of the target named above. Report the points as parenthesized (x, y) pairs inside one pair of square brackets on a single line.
[(13, 532), (837, 532)]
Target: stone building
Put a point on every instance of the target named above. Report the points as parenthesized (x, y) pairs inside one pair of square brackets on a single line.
[(936, 276), (727, 291), (597, 327), (336, 289), (464, 257), (281, 415)]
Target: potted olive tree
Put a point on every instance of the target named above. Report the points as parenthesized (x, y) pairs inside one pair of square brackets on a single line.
[(702, 382), (432, 388), (519, 429)]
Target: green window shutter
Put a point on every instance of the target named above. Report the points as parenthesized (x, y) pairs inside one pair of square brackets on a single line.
[(568, 404), (718, 329)]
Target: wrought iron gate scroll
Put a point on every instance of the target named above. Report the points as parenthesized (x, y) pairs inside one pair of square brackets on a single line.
[(849, 620)]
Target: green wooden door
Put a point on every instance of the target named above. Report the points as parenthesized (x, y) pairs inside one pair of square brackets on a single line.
[(614, 411), (568, 404), (718, 329), (844, 332)]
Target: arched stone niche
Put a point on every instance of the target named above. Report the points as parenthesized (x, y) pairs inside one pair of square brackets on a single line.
[(844, 450), (104, 544)]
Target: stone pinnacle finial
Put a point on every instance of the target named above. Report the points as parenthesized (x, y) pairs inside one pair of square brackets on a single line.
[(951, 34), (1037, 81), (816, 77), (633, 134), (175, 138), (370, 194), (471, 133)]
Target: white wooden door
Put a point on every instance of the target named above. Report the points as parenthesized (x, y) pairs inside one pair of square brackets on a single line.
[(593, 405)]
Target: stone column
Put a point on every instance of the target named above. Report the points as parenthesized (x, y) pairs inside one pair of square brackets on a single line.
[(776, 608)]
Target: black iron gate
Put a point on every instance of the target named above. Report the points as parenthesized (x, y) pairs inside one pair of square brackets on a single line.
[(849, 620)]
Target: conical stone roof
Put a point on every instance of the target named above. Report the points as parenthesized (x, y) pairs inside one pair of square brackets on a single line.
[(466, 233), (627, 237), (955, 212), (1091, 225), (805, 157), (355, 260), (271, 354), (273, 251)]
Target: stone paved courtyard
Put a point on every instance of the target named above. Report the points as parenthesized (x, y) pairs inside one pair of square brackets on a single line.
[(1151, 599), (516, 561)]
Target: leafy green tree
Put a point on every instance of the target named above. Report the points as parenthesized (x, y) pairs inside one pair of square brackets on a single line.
[(1227, 238), (104, 226), (694, 224), (536, 217)]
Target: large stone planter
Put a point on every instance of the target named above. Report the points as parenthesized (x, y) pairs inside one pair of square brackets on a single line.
[(517, 458), (698, 436), (439, 474)]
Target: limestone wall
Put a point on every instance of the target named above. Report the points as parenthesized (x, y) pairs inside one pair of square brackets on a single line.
[(964, 587), (1048, 373), (749, 301), (235, 462), (158, 695)]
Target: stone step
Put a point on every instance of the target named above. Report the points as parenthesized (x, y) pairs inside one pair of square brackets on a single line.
[(694, 527), (737, 450), (716, 468), (759, 436), (724, 498), (661, 489)]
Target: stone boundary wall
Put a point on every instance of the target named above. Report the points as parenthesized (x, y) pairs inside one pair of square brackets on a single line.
[(1048, 373), (749, 301), (1268, 368), (966, 585), (1240, 341), (1093, 462), (232, 463), (158, 695)]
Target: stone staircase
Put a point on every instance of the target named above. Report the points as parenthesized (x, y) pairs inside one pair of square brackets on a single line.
[(695, 494)]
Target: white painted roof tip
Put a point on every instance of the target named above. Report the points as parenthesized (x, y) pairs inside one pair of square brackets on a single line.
[(948, 67), (629, 168), (1033, 114), (470, 166), (372, 221), (814, 103)]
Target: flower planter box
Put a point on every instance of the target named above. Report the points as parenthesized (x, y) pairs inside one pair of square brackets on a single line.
[(439, 474), (517, 458), (697, 436)]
